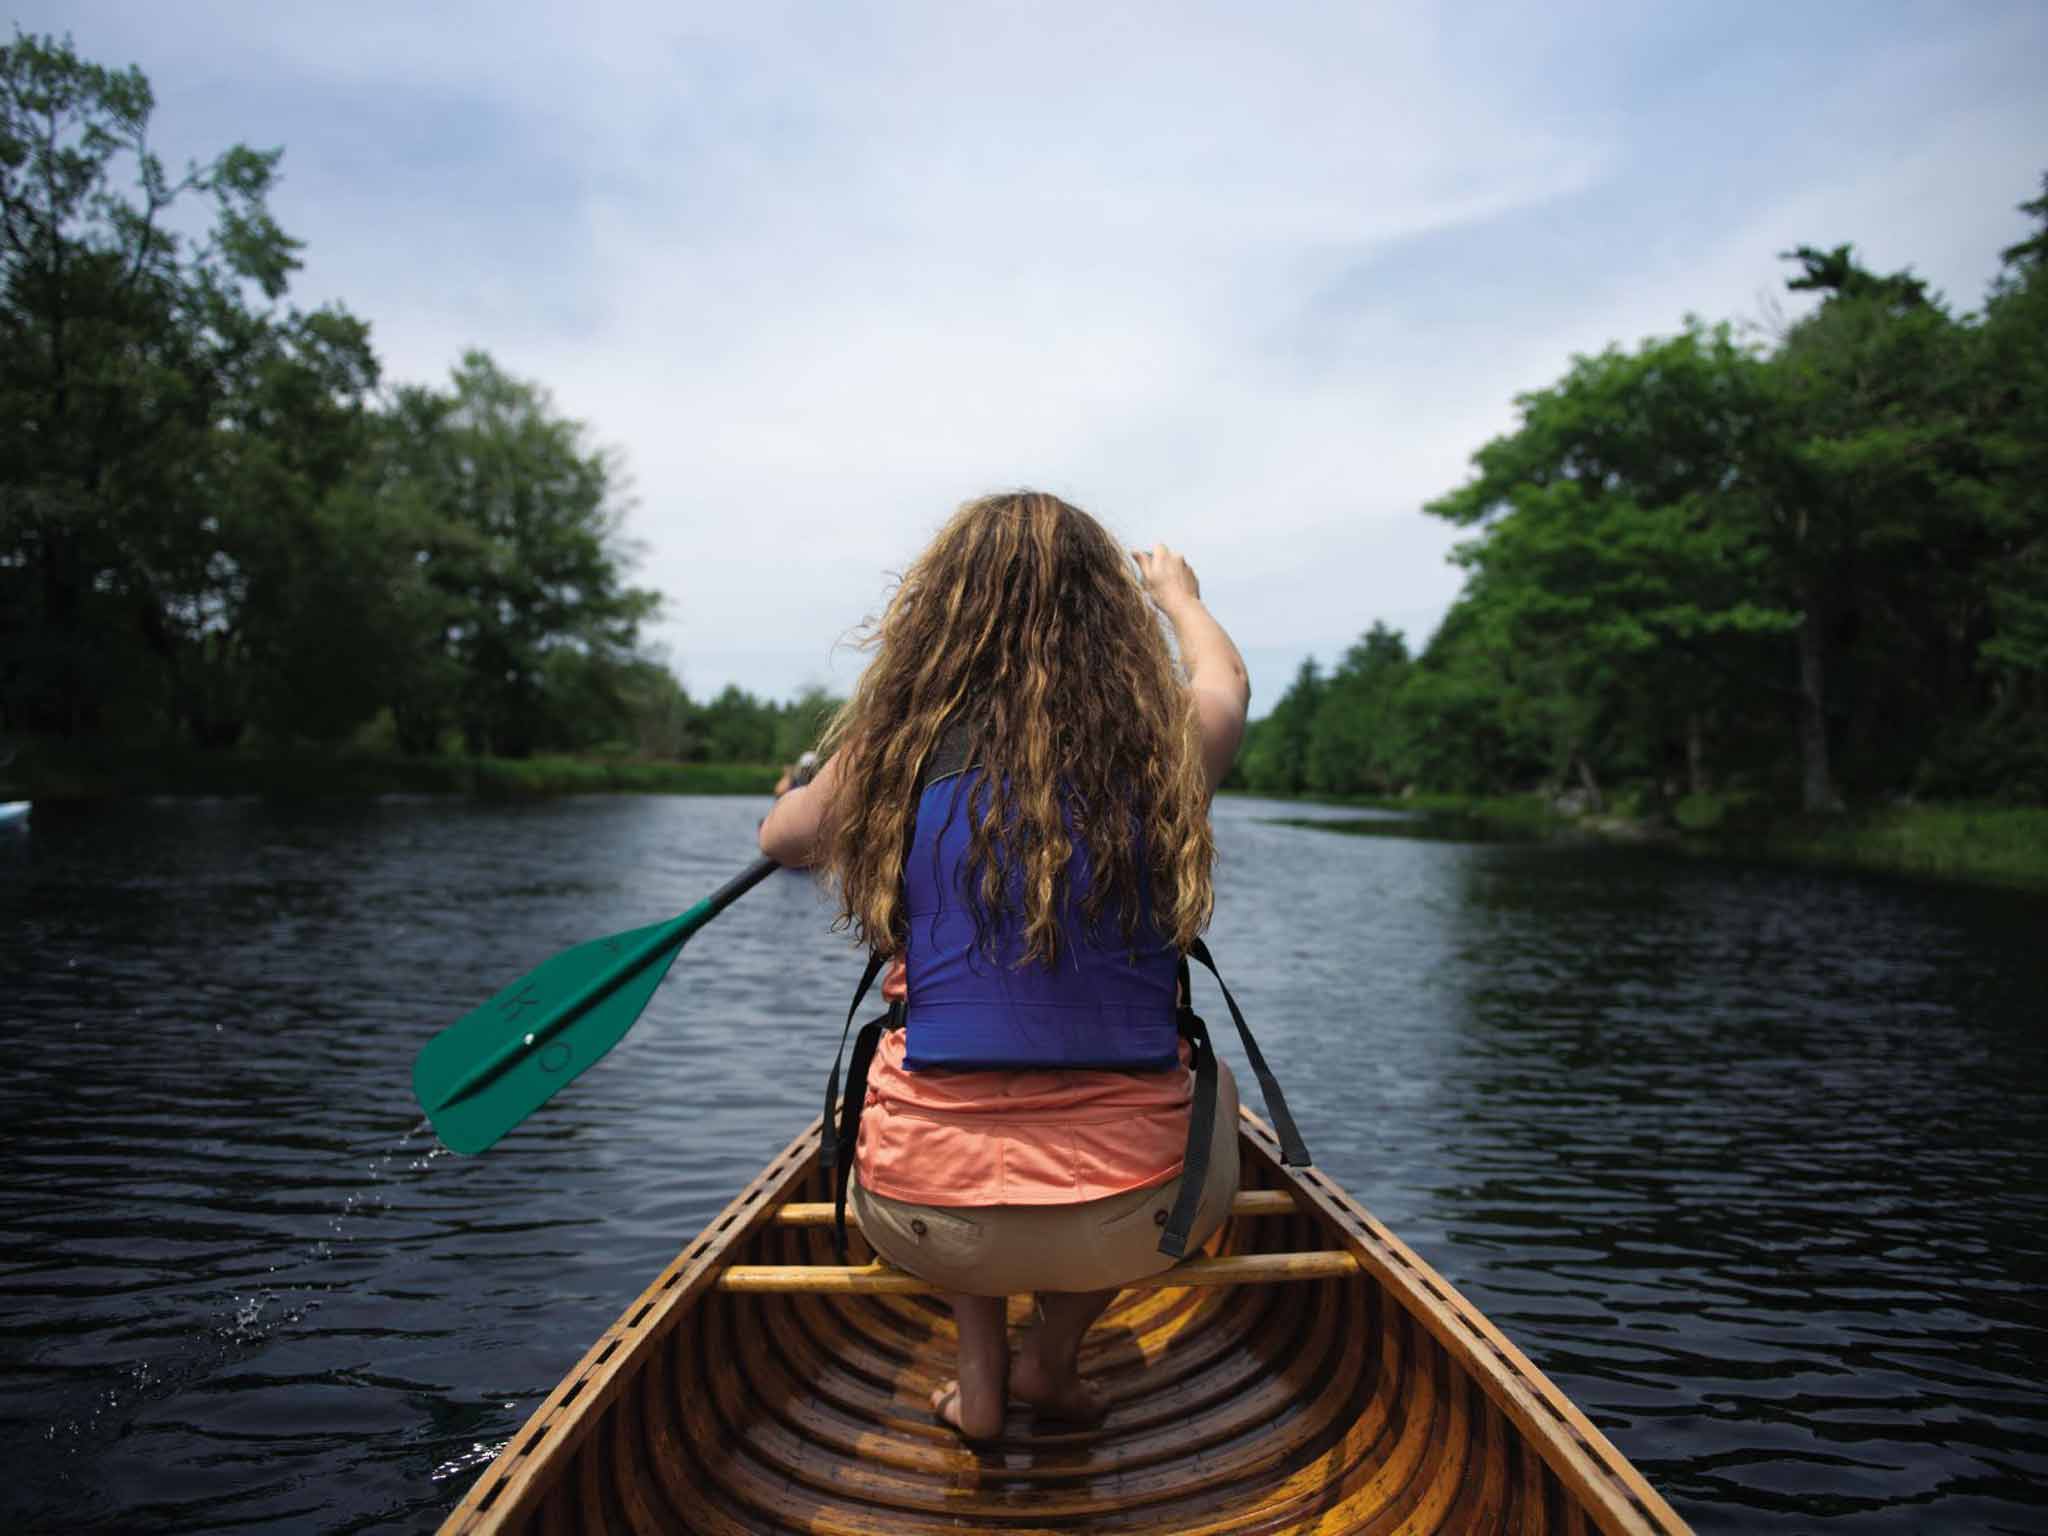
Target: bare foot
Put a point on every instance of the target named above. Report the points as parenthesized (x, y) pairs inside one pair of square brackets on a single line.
[(948, 1409), (1057, 1395)]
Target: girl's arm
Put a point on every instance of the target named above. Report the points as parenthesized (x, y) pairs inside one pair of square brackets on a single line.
[(790, 834), (1216, 673)]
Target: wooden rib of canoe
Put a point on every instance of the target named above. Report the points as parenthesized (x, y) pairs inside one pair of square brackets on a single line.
[(1306, 1373)]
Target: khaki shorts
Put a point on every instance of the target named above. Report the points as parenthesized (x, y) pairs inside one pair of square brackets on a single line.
[(1097, 1245)]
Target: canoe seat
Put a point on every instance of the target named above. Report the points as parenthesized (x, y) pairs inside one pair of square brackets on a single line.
[(881, 1279), (818, 1213)]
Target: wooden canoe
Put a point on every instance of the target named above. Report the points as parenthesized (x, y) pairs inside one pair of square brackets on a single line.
[(1307, 1373)]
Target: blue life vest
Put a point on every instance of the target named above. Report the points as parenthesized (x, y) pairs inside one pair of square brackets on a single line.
[(1097, 1007), (1105, 1003)]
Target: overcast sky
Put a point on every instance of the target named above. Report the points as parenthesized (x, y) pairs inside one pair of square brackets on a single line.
[(1253, 279)]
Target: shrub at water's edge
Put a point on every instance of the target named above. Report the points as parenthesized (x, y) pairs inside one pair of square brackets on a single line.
[(1511, 814), (2000, 844), (56, 770), (572, 775)]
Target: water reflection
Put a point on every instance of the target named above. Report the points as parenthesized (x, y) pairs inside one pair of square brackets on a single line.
[(1435, 826), (1751, 1161), (1739, 1171)]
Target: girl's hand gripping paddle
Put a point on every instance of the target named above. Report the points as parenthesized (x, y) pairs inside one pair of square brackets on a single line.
[(493, 1067)]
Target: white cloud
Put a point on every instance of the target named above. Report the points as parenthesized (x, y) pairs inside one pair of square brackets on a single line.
[(1253, 280)]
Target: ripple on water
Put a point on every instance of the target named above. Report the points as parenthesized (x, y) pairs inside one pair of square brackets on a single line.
[(1752, 1162)]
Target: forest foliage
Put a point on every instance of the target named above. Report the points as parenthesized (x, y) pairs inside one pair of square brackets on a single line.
[(1798, 569), (218, 526), (1711, 568)]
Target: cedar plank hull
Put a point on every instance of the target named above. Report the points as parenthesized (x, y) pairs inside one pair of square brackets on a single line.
[(1380, 1402)]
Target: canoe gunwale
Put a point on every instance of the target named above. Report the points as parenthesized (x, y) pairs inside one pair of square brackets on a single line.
[(565, 1417), (1617, 1496), (1612, 1493)]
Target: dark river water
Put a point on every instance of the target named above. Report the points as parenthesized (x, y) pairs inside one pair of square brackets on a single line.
[(1753, 1162)]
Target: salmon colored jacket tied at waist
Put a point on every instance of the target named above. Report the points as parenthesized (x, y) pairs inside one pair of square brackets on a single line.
[(1042, 1137)]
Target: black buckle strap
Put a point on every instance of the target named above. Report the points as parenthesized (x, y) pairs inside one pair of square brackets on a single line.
[(850, 1108), (1293, 1150), (1180, 1221), (828, 1147), (1194, 1171)]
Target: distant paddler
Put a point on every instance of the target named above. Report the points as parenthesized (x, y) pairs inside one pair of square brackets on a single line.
[(17, 810)]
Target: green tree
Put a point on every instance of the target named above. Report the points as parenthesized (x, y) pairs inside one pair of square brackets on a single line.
[(1868, 506), (176, 544), (658, 711), (1471, 720), (1685, 549), (288, 628), (1274, 759), (736, 727), (2015, 360), (2004, 749), (1614, 572), (516, 528), (124, 341), (802, 722), (1355, 741)]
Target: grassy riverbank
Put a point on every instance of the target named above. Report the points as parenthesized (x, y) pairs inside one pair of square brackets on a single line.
[(1999, 844), (2004, 844), (84, 771)]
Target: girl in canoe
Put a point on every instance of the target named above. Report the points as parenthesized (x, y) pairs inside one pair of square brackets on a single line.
[(1017, 814)]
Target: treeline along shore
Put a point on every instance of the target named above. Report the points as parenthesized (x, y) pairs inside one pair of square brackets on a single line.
[(231, 557), (1788, 586), (1787, 592)]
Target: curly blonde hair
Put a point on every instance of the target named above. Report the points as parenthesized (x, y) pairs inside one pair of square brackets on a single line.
[(1024, 624)]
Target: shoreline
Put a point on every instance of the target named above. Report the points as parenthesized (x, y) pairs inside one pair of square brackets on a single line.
[(1977, 843), (1974, 843), (79, 773)]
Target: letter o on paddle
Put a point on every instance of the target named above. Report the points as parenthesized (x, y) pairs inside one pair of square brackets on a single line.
[(555, 1057)]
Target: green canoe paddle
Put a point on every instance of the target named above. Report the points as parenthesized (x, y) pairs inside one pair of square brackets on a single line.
[(493, 1067)]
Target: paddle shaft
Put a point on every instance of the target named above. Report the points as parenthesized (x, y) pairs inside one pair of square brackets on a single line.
[(734, 889), (668, 937)]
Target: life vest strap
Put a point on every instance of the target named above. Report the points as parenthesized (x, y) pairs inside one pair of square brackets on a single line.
[(1293, 1150), (864, 1045), (1194, 1173), (828, 1150)]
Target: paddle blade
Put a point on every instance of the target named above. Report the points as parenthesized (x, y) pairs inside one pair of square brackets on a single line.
[(476, 1118)]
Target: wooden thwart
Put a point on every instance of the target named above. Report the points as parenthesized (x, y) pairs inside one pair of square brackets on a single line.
[(884, 1279), (1249, 1202)]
